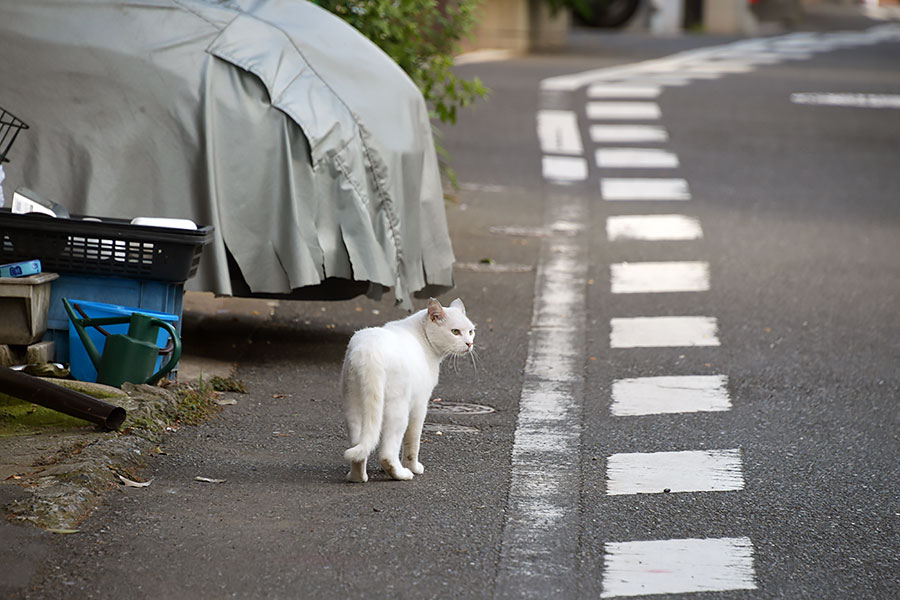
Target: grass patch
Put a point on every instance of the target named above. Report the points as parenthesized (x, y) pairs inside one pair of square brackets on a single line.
[(196, 403), (227, 384)]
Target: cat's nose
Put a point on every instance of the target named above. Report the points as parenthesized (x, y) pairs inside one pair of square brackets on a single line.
[(469, 345)]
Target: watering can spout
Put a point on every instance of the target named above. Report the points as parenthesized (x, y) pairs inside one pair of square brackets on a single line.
[(130, 357)]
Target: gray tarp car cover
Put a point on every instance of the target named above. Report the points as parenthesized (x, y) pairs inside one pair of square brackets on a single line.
[(307, 148)]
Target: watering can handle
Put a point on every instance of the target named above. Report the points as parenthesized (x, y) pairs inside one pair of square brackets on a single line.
[(176, 351)]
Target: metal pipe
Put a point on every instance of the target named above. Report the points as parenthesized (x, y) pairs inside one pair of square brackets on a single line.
[(76, 404)]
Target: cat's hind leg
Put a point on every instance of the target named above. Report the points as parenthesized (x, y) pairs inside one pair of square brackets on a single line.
[(391, 439)]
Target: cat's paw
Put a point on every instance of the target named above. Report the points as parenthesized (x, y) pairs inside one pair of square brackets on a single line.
[(415, 466), (396, 471), (356, 478), (357, 472)]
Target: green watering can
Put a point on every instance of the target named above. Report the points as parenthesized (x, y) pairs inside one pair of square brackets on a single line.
[(130, 357)]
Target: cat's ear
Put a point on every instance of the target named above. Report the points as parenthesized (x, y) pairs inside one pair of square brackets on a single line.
[(435, 311), (458, 304)]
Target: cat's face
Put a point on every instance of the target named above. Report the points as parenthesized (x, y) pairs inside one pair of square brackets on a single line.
[(449, 329)]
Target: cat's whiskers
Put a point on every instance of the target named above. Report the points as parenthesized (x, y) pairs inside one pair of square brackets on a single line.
[(475, 358)]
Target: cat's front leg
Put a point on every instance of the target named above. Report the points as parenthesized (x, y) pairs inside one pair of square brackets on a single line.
[(357, 472), (413, 437)]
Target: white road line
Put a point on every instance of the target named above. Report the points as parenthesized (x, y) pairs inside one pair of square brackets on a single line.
[(678, 566), (753, 51), (669, 394), (558, 132), (662, 332), (613, 90), (564, 169), (644, 189), (628, 133), (722, 66), (659, 277), (653, 228), (539, 545), (851, 100), (623, 110), (635, 158), (687, 471)]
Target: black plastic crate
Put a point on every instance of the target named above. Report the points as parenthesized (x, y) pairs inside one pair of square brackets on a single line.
[(10, 126), (111, 247)]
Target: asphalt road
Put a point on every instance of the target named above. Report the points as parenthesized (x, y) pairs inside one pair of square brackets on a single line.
[(800, 218)]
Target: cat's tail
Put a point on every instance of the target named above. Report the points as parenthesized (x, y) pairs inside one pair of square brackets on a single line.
[(370, 381)]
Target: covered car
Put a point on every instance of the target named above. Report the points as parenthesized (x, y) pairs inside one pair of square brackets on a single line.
[(306, 147)]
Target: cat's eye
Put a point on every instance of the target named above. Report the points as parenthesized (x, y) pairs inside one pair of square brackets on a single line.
[(455, 331)]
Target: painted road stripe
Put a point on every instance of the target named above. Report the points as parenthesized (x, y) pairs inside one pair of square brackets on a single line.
[(558, 132), (635, 158), (628, 133), (851, 100), (653, 228), (758, 51), (539, 545), (688, 471), (678, 566), (623, 110), (613, 90), (722, 66), (661, 332), (659, 277), (669, 394), (644, 189), (564, 168)]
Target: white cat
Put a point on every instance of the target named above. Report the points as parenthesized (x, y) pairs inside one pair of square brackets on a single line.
[(388, 375)]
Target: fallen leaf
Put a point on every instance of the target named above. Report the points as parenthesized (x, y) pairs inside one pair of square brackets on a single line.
[(279, 396), (225, 401), (209, 480), (63, 531), (135, 484)]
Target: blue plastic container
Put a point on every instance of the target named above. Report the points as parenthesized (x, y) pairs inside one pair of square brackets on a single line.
[(79, 362), (145, 295)]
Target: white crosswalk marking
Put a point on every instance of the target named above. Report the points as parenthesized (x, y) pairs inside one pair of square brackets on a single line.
[(614, 188), (659, 277), (558, 132), (669, 394), (564, 168), (628, 133), (657, 332), (678, 566), (635, 158), (653, 228), (686, 471), (623, 110), (613, 90)]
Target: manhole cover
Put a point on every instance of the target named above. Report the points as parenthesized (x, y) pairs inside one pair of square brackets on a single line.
[(448, 428), (458, 408)]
